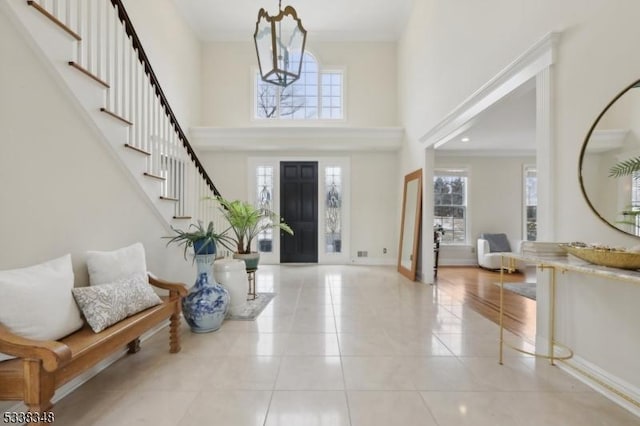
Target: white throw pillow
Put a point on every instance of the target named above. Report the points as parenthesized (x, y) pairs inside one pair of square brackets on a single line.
[(106, 304), (36, 302), (110, 266)]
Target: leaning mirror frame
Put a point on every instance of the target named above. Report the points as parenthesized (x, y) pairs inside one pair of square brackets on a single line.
[(410, 225), (581, 164)]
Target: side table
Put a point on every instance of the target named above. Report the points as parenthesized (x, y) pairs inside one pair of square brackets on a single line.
[(251, 276)]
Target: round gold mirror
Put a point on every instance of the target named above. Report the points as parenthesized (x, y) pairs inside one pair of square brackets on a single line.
[(610, 163)]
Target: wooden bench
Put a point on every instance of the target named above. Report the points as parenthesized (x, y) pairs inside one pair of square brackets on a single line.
[(43, 366)]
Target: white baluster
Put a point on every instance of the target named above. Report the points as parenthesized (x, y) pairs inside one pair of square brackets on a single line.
[(169, 159), (67, 13), (108, 56), (154, 131), (98, 49), (116, 62), (147, 127), (89, 37), (163, 146), (132, 94), (79, 44), (124, 56)]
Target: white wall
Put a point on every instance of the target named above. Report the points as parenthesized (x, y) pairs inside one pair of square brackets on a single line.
[(228, 72), (174, 52), (450, 49), (374, 220), (438, 68), (61, 190), (495, 200)]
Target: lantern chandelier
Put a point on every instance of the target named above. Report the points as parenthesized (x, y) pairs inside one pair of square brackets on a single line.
[(280, 42)]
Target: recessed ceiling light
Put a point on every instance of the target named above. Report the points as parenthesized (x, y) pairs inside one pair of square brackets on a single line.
[(465, 139)]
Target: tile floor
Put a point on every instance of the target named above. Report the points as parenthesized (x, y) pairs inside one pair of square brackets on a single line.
[(339, 345)]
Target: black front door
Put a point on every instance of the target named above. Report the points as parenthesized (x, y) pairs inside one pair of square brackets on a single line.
[(299, 209)]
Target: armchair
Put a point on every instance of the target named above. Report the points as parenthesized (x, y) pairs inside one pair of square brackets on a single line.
[(491, 246)]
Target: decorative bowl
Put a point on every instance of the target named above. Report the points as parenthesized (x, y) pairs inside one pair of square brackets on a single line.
[(605, 257)]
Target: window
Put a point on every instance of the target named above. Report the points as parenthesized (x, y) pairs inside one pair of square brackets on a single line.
[(631, 212), (316, 95), (530, 203), (450, 205), (333, 209), (264, 200)]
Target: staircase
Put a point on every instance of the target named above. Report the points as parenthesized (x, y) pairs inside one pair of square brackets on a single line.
[(94, 52)]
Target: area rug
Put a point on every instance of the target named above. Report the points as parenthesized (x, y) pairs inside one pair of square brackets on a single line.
[(527, 290), (253, 308)]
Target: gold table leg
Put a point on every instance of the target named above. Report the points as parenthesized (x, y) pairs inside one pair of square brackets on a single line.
[(501, 307)]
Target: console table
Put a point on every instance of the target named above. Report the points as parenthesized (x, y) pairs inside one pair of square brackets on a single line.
[(554, 265)]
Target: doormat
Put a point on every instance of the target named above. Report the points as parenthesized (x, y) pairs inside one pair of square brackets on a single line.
[(253, 308), (527, 290)]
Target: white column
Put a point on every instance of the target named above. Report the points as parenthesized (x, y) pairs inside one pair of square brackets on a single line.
[(545, 164), (545, 155), (428, 259)]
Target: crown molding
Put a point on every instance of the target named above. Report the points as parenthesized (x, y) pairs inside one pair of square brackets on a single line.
[(493, 153), (297, 138), (537, 58)]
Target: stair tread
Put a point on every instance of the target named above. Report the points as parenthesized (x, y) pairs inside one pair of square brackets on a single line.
[(89, 74), (55, 20), (116, 116), (151, 175), (135, 148)]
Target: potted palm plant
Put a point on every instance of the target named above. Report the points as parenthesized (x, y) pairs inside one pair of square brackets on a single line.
[(207, 302), (246, 223), (202, 239)]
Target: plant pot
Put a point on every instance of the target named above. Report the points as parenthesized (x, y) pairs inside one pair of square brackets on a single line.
[(250, 259), (265, 245), (207, 303), (232, 274), (202, 248)]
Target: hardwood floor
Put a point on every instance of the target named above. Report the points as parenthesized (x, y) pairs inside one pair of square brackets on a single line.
[(476, 288)]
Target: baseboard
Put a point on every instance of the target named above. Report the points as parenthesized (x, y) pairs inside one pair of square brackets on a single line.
[(373, 261), (457, 262), (612, 387), (83, 378)]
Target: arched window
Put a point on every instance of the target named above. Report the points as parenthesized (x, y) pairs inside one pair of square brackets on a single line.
[(316, 95)]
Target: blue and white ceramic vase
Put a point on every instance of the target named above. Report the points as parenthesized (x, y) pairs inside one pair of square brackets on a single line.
[(207, 302)]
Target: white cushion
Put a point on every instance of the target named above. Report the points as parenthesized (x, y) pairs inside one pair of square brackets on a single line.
[(37, 303), (110, 266), (106, 304)]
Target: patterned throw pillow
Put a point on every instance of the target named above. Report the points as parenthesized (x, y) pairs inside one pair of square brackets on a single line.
[(106, 304)]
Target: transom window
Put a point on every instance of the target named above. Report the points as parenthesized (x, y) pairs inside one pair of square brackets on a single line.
[(450, 205), (316, 95)]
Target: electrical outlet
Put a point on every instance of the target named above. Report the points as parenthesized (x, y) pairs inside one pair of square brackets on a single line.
[(473, 249), (384, 250)]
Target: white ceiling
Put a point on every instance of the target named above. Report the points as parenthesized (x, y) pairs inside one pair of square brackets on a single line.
[(324, 20), (506, 128)]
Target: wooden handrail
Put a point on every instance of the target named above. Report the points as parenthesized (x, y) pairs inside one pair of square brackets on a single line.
[(144, 60)]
